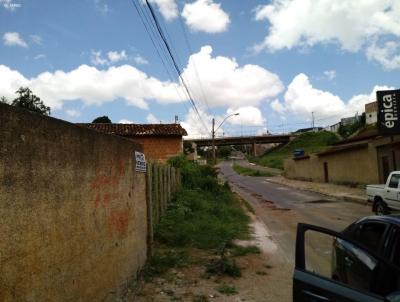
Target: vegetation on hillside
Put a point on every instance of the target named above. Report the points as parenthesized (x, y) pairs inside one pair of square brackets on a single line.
[(347, 130), (310, 142)]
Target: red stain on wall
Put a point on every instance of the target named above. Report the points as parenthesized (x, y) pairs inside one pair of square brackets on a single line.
[(118, 221)]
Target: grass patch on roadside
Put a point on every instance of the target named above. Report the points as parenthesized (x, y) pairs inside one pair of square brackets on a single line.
[(203, 213), (250, 172), (311, 142), (227, 290), (239, 251), (161, 262)]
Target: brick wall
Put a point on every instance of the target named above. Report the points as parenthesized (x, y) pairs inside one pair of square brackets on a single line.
[(160, 148), (72, 210)]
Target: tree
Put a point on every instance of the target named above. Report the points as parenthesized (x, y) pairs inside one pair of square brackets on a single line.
[(347, 130), (3, 100), (102, 120), (187, 147), (29, 101)]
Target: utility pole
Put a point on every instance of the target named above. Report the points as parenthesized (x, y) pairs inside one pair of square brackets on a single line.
[(213, 141), (313, 121)]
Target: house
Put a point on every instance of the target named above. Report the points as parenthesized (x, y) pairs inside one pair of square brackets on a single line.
[(371, 113), (160, 141), (364, 158)]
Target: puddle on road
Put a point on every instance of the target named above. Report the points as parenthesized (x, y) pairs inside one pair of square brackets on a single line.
[(320, 201), (261, 237)]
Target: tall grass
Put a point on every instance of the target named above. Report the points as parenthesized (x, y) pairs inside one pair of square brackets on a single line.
[(203, 214)]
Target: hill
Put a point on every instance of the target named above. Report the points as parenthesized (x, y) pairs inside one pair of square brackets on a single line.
[(311, 143)]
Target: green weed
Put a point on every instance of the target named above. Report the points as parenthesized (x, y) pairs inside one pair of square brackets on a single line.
[(239, 251), (227, 290), (162, 262)]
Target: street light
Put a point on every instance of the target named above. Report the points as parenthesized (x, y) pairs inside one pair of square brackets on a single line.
[(213, 132)]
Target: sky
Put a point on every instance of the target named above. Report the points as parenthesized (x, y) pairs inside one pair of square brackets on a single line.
[(277, 63)]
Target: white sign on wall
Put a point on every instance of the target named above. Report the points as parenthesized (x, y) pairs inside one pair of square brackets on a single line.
[(140, 162)]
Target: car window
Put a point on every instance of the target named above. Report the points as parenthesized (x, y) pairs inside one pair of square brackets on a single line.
[(395, 256), (370, 235), (394, 181)]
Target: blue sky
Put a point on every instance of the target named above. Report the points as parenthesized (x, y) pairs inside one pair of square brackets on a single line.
[(274, 62)]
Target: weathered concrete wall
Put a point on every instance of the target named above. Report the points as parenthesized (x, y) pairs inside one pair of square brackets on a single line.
[(72, 210), (358, 166), (160, 148)]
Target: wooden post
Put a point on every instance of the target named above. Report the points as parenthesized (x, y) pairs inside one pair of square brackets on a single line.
[(149, 203), (156, 194), (161, 189), (169, 183)]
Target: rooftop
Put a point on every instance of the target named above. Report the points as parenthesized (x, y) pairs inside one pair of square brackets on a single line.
[(137, 129)]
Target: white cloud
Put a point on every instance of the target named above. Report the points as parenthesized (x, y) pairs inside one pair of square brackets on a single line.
[(301, 99), (112, 57), (225, 83), (248, 116), (167, 8), (37, 39), (277, 106), (14, 39), (101, 7), (73, 112), (9, 5), (92, 86), (124, 121), (39, 56), (205, 15), (352, 25), (140, 60), (330, 74), (194, 127), (115, 56), (152, 119), (97, 59), (387, 55)]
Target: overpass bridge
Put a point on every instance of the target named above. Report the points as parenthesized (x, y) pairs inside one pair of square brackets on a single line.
[(241, 140)]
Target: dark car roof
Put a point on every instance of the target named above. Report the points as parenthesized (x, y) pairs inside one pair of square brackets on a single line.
[(392, 219)]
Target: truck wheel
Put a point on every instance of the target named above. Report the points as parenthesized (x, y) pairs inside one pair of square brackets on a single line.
[(380, 208)]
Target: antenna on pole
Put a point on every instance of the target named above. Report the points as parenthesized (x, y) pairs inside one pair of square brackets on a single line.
[(176, 119)]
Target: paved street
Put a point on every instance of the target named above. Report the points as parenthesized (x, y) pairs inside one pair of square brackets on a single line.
[(280, 208)]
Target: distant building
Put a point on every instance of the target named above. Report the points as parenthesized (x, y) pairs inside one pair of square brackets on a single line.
[(343, 122), (333, 128), (160, 141), (371, 113), (311, 129)]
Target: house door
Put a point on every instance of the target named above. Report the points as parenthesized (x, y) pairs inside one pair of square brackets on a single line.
[(326, 175)]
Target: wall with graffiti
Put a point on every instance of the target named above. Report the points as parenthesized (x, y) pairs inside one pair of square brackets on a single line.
[(73, 217)]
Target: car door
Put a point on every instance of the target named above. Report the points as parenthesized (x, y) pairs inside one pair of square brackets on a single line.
[(310, 286), (369, 234), (392, 191)]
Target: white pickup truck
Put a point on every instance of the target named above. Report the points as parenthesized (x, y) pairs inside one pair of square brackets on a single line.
[(385, 197)]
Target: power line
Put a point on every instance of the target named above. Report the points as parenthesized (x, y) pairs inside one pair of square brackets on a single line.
[(174, 61), (186, 38), (153, 37)]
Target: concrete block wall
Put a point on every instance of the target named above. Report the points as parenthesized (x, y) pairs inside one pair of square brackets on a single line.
[(72, 210)]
